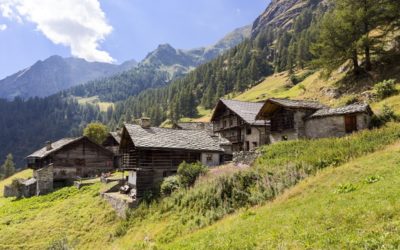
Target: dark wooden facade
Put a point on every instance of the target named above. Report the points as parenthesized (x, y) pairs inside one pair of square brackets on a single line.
[(153, 165), (76, 158)]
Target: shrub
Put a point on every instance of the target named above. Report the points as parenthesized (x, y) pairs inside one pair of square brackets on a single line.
[(387, 115), (170, 184), (345, 188), (189, 172), (372, 179), (385, 89)]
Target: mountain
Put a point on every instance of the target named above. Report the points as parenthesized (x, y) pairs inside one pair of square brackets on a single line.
[(55, 74), (157, 69), (281, 13), (177, 62)]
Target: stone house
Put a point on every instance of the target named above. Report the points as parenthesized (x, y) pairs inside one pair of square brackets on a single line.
[(337, 122), (151, 153), (70, 159), (299, 119), (236, 121)]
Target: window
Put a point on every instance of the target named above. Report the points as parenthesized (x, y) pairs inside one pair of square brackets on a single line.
[(230, 122), (248, 131), (247, 146), (350, 123), (209, 158), (254, 144), (224, 125)]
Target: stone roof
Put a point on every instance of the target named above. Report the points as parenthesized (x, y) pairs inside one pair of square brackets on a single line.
[(288, 103), (221, 140), (195, 126), (55, 146), (350, 109), (116, 136), (164, 138), (246, 110)]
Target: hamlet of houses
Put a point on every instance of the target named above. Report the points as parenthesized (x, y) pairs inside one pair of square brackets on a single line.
[(149, 154)]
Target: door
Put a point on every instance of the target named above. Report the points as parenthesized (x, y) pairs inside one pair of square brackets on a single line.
[(350, 122)]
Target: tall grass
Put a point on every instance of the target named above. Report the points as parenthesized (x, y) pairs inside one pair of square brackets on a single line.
[(281, 166)]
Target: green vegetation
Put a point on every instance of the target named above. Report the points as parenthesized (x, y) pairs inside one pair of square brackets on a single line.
[(313, 215), (79, 217), (96, 131), (385, 89), (188, 173), (280, 167), (345, 33), (95, 100), (8, 168)]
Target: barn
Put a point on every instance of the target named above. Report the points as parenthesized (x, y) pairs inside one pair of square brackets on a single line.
[(72, 158), (151, 153)]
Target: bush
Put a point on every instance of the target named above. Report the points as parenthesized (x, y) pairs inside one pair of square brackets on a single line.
[(385, 89), (387, 115), (189, 172), (345, 188), (170, 184)]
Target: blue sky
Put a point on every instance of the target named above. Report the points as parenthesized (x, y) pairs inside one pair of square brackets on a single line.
[(113, 30)]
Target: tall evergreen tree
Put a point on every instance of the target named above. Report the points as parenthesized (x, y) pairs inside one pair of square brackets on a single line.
[(8, 168)]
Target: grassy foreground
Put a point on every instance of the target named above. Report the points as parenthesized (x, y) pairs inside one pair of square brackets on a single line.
[(66, 218), (355, 206)]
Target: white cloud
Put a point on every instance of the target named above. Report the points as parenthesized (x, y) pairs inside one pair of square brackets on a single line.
[(78, 24), (3, 27)]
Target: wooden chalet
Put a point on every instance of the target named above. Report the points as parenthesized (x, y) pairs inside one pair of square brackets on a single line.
[(300, 119), (236, 121), (112, 143), (151, 153), (72, 158)]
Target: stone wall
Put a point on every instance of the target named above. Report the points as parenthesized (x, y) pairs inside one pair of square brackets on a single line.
[(44, 178), (215, 159), (121, 203), (245, 157), (256, 138), (20, 188), (333, 126)]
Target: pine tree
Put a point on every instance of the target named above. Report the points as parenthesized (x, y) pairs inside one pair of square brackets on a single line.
[(338, 39), (8, 168)]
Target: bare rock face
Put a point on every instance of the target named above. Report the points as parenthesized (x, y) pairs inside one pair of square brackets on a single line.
[(281, 13)]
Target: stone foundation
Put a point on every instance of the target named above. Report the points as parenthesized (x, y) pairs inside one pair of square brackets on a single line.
[(45, 179), (245, 157), (120, 202)]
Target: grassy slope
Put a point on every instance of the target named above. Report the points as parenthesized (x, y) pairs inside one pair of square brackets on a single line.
[(313, 215), (94, 100), (79, 217)]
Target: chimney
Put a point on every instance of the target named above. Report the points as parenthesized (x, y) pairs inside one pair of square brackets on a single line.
[(48, 146), (145, 122)]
